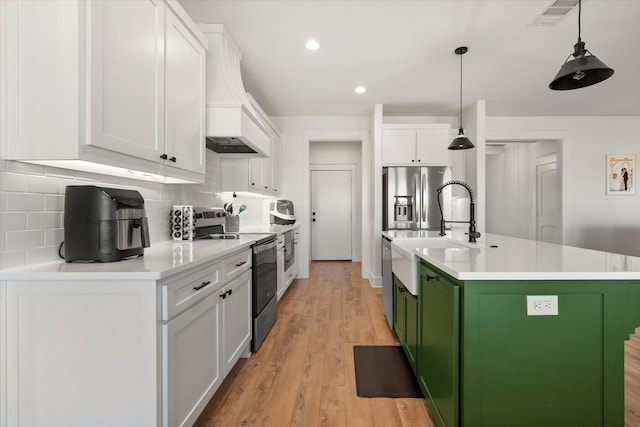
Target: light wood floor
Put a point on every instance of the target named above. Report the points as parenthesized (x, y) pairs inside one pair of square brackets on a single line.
[(303, 374)]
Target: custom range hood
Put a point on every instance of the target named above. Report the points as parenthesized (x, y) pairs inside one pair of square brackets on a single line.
[(234, 127)]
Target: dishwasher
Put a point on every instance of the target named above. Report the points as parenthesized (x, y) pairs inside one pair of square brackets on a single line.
[(387, 280)]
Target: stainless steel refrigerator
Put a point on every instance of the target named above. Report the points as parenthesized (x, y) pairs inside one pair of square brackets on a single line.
[(410, 200)]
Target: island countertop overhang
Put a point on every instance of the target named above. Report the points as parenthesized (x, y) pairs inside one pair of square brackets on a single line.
[(497, 257)]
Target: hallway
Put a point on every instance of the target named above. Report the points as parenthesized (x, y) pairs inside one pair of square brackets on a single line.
[(303, 375)]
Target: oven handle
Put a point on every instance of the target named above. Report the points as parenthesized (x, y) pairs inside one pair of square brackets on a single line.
[(272, 244)]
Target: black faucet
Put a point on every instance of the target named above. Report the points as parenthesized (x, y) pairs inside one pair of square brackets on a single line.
[(473, 234)]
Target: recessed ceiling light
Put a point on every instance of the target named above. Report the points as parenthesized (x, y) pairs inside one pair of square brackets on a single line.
[(360, 89), (312, 45)]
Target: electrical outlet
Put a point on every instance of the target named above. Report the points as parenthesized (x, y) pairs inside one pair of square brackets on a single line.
[(542, 305)]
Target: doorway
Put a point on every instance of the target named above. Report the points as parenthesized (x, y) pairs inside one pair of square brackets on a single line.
[(524, 189), (547, 220), (331, 214), (335, 195)]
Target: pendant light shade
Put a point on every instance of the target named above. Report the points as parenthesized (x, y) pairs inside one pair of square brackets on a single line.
[(461, 142), (583, 69)]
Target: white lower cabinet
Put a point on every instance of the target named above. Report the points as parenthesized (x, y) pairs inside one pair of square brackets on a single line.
[(236, 319), (190, 359), (110, 351), (79, 353), (203, 343)]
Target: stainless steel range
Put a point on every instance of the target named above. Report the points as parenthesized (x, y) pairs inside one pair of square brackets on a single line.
[(209, 224)]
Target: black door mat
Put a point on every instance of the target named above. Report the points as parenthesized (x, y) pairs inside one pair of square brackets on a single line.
[(384, 371)]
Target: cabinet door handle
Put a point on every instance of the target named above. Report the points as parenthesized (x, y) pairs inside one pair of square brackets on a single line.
[(223, 296), (429, 277), (164, 156), (230, 291), (197, 288), (173, 159), (241, 263)]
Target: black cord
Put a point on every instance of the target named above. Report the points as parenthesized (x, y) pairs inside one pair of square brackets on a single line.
[(460, 122), (579, 14), (60, 250)]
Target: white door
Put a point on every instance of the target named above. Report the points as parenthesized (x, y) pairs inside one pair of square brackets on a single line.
[(330, 214), (547, 204)]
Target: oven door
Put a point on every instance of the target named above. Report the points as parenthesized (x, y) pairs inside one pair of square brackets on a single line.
[(289, 250), (265, 274)]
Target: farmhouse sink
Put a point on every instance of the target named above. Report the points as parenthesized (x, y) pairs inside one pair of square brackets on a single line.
[(404, 261)]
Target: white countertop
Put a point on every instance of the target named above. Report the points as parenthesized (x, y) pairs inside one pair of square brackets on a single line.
[(161, 260), (497, 257), (278, 229)]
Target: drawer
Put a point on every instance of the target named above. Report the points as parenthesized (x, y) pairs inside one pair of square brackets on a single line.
[(182, 293), (236, 264)]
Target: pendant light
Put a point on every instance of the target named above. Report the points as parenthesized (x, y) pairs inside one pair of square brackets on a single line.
[(583, 69), (461, 142)]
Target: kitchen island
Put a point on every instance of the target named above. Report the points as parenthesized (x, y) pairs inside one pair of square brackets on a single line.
[(517, 332)]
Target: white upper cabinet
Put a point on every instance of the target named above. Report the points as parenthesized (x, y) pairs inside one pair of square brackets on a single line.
[(261, 175), (126, 75), (114, 87), (185, 60), (415, 144)]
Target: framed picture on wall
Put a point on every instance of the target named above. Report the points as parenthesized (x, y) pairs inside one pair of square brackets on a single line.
[(621, 170)]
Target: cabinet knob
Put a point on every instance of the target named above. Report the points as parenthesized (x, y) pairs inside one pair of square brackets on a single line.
[(223, 296), (230, 291), (265, 187), (314, 220), (164, 156), (253, 184), (173, 159), (412, 160)]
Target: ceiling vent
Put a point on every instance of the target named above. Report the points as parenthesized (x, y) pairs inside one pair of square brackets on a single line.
[(553, 14)]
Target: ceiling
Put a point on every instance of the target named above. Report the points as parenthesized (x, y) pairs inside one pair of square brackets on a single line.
[(403, 52)]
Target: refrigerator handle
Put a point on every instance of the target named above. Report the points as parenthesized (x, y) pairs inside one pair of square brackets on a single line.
[(423, 200), (417, 201)]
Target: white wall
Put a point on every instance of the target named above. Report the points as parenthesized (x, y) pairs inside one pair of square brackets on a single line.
[(590, 218), (296, 134)]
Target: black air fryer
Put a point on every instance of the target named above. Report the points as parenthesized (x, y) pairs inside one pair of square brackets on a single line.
[(103, 224)]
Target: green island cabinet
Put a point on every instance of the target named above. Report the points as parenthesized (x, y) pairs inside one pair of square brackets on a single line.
[(405, 320), (482, 361)]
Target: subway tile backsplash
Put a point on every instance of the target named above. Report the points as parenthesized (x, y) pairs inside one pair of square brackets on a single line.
[(32, 206)]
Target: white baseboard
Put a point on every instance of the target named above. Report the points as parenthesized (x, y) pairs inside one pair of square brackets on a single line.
[(376, 281)]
